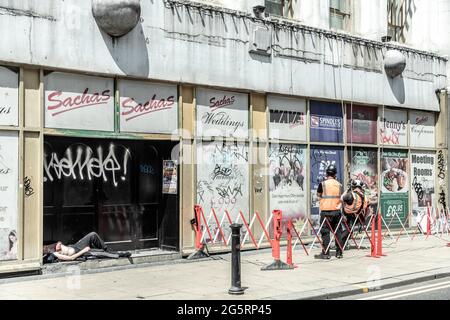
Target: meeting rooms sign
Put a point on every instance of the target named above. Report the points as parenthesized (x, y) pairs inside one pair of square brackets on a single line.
[(9, 97)]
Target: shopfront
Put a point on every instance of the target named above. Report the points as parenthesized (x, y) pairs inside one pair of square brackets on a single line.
[(96, 176)]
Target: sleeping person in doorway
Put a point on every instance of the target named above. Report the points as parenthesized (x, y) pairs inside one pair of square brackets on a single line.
[(90, 246)]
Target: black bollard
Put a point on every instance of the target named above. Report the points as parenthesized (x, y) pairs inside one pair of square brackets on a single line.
[(236, 260)]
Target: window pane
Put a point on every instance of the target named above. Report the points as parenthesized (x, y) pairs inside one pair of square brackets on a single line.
[(274, 7), (336, 21)]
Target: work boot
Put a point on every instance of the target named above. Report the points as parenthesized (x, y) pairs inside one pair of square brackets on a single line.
[(339, 255), (124, 254), (322, 256)]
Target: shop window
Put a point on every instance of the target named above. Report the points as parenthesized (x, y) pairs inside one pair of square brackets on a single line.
[(287, 118), (320, 158), (326, 122), (109, 186), (422, 131), (361, 124), (364, 167), (394, 187)]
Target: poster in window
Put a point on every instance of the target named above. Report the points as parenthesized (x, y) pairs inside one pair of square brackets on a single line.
[(82, 102), (364, 167), (394, 187), (422, 185), (422, 129), (393, 127), (361, 124), (170, 177), (148, 107), (9, 97), (287, 118), (223, 179), (9, 149), (320, 159), (222, 113), (287, 184), (326, 122)]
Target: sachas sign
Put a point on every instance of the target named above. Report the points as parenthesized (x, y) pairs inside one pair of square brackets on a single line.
[(147, 107), (79, 102)]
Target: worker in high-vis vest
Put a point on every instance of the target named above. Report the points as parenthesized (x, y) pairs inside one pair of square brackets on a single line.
[(329, 193), (355, 202)]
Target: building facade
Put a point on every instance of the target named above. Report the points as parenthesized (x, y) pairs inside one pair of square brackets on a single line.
[(120, 116)]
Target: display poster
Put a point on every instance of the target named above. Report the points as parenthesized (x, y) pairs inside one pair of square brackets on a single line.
[(9, 176), (222, 114), (74, 101), (148, 107), (393, 127), (320, 159), (364, 167), (9, 97), (422, 129), (287, 169), (223, 180), (361, 124), (287, 118), (394, 187), (422, 184), (326, 122), (170, 177)]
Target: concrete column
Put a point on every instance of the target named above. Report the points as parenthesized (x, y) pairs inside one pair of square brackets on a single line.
[(260, 185), (32, 166), (188, 179)]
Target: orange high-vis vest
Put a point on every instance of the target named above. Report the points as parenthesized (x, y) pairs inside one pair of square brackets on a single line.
[(330, 200), (360, 203)]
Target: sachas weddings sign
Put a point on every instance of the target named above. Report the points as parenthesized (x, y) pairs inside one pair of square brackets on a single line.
[(79, 102), (222, 113), (9, 97), (147, 107)]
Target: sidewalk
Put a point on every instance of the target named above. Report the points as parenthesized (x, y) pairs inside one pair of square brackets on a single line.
[(406, 262)]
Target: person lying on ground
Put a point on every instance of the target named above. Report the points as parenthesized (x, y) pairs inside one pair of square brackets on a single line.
[(86, 244)]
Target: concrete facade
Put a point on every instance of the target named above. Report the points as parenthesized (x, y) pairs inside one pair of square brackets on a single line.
[(217, 44)]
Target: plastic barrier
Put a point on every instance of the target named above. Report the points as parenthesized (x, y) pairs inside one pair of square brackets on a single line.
[(277, 229)]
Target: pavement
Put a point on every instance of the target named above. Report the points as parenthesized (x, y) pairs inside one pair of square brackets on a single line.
[(407, 261)]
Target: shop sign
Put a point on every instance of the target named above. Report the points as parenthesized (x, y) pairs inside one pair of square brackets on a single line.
[(287, 118), (320, 159), (223, 179), (326, 122), (222, 113), (361, 124), (81, 102), (170, 177), (9, 161), (287, 167), (9, 97), (422, 132), (147, 107), (394, 187), (422, 184), (393, 127)]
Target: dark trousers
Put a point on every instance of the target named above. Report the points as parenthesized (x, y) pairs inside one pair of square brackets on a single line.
[(333, 219), (91, 240), (346, 233)]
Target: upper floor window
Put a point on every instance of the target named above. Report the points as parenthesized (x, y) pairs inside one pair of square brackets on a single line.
[(396, 12), (279, 7), (340, 14)]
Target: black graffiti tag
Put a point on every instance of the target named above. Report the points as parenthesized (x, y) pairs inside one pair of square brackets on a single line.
[(27, 187), (441, 165), (418, 188), (220, 171), (442, 201), (229, 192)]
